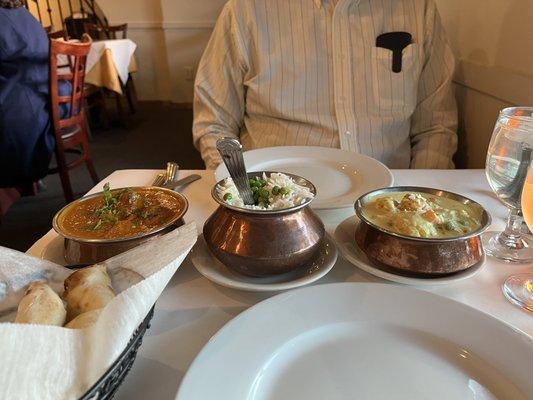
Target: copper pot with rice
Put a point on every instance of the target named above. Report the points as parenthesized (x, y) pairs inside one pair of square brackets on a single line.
[(260, 242)]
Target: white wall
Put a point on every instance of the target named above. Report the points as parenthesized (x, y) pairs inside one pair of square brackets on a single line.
[(493, 43), (492, 40), (171, 36)]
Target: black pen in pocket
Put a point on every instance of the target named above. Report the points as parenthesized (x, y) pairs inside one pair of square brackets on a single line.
[(395, 42)]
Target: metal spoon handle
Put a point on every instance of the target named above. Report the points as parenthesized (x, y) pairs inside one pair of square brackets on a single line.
[(231, 151)]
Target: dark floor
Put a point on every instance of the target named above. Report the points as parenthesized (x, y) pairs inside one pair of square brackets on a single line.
[(157, 133)]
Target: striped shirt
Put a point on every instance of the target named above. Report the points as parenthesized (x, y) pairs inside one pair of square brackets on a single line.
[(308, 72)]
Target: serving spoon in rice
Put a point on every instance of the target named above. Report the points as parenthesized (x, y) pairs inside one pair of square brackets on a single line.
[(230, 150)]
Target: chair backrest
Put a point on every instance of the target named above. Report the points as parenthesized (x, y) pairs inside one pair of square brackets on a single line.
[(48, 29), (67, 106), (62, 34), (99, 32)]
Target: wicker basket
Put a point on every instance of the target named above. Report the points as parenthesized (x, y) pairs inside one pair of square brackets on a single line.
[(110, 381)]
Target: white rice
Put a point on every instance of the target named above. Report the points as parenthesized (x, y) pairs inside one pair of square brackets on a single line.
[(297, 194)]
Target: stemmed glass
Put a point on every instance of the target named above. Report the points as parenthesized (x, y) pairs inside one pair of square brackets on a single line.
[(519, 288), (508, 159)]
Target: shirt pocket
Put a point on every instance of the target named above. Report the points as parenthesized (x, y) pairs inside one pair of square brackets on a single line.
[(396, 91)]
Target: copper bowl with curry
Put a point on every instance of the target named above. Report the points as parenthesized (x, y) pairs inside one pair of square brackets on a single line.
[(420, 231), (104, 224)]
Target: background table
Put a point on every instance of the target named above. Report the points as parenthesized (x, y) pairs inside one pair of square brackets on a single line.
[(109, 62), (192, 309)]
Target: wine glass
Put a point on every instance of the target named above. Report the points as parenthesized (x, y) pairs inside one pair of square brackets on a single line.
[(508, 159), (519, 288)]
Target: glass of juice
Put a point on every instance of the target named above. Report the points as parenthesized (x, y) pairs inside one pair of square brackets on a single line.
[(519, 288), (509, 157)]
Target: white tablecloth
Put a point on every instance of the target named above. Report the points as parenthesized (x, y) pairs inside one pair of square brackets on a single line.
[(192, 309), (121, 50)]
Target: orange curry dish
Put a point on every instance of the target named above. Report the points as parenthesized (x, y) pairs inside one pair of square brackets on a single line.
[(121, 213)]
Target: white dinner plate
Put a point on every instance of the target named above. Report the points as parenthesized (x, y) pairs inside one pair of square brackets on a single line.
[(216, 272), (345, 238), (340, 177), (362, 341)]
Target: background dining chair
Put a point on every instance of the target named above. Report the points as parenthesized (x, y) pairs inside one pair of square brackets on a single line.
[(113, 32), (103, 32), (68, 114), (61, 34)]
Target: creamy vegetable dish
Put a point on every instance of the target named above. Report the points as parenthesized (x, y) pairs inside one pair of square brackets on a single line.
[(121, 213), (422, 215)]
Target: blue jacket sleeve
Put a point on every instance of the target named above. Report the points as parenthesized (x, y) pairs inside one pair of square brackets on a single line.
[(10, 45)]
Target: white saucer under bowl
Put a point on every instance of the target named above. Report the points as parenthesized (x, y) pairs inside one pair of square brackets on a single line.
[(345, 238), (54, 251), (216, 272)]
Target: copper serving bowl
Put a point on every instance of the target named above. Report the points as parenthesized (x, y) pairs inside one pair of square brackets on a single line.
[(415, 255), (264, 242), (89, 251)]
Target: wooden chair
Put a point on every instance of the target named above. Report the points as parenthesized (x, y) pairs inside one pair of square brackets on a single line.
[(99, 32), (68, 114), (113, 32), (61, 34)]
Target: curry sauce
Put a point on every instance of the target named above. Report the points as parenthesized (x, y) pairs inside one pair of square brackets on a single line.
[(423, 215), (121, 213)]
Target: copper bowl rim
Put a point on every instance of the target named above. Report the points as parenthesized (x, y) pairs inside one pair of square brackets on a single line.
[(57, 227), (485, 223), (300, 180)]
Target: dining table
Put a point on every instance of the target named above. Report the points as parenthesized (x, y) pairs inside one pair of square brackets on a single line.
[(192, 309), (109, 63)]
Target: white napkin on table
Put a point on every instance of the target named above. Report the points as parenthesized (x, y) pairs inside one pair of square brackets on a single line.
[(48, 362)]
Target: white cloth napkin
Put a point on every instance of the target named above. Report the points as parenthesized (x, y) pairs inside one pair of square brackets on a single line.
[(48, 362), (121, 50)]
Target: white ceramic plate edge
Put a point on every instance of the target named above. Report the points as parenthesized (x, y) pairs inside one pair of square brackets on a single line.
[(324, 269), (221, 171), (366, 266), (219, 335)]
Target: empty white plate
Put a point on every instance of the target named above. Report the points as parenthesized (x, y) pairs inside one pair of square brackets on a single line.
[(216, 272), (340, 177), (345, 238), (362, 341)]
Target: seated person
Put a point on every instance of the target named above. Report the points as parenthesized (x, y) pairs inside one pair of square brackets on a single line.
[(26, 134), (283, 72)]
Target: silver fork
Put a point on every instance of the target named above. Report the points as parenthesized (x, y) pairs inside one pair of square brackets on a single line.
[(172, 172), (231, 151), (159, 179), (165, 178)]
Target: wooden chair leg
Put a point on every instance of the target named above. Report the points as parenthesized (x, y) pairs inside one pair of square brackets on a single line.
[(120, 110), (104, 114), (130, 90), (65, 182), (88, 129), (92, 170), (86, 154)]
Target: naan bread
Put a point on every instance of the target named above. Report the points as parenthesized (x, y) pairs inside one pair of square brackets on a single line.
[(84, 320), (41, 305), (86, 290)]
